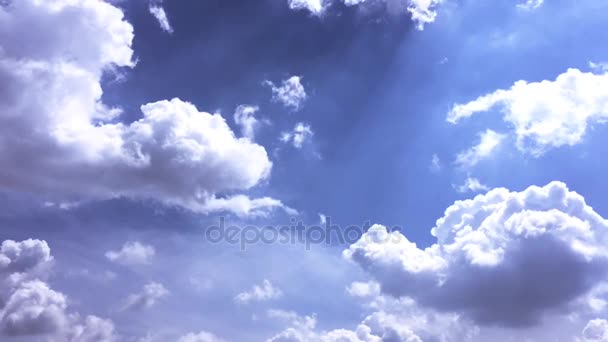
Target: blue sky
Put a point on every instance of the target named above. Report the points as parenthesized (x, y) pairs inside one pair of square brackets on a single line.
[(464, 139)]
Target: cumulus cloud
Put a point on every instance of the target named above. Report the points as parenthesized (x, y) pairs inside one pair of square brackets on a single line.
[(33, 309), (489, 141), (244, 116), (132, 253), (93, 329), (30, 307), (290, 93), (258, 293), (148, 297), (402, 321), (157, 10), (506, 258), (546, 114), (58, 139), (297, 137), (422, 12), (471, 184), (202, 336)]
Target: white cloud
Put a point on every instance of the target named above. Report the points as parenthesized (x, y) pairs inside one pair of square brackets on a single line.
[(530, 5), (132, 253), (148, 297), (33, 309), (159, 13), (393, 321), (300, 134), (93, 329), (545, 237), (52, 108), (596, 330), (546, 114), (322, 219), (244, 116), (316, 7), (422, 12), (435, 163), (471, 184), (489, 141), (202, 336), (290, 93), (258, 293), (30, 307)]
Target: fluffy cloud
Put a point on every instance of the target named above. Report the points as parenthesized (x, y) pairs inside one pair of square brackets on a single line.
[(300, 134), (202, 336), (33, 309), (93, 329), (259, 293), (422, 12), (132, 253), (506, 258), (489, 141), (148, 297), (28, 305), (157, 10), (471, 184), (546, 114), (290, 93), (244, 116), (394, 320), (58, 139)]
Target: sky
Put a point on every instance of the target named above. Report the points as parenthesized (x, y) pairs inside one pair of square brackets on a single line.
[(303, 170)]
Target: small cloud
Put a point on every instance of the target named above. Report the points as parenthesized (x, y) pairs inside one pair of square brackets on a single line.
[(244, 117), (300, 134), (322, 219), (435, 163), (471, 184), (132, 253), (159, 13), (202, 336), (488, 143), (529, 5), (259, 293), (290, 93), (148, 297)]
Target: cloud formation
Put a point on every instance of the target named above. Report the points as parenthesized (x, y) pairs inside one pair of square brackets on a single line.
[(148, 297), (59, 140), (500, 258), (29, 307), (489, 141), (290, 93), (157, 10), (258, 293), (132, 253), (422, 12), (546, 114), (471, 184), (244, 116), (297, 137)]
